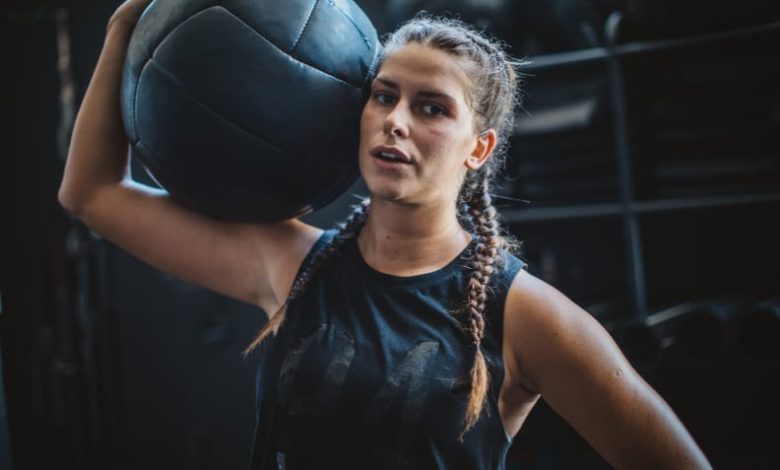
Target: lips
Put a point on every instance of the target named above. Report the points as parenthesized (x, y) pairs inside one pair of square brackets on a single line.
[(390, 154)]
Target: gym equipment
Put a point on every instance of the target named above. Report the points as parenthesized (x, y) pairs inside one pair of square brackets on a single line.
[(664, 18), (531, 26), (248, 109), (498, 17)]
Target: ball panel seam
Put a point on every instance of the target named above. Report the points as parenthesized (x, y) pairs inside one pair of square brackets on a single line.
[(134, 117), (305, 24), (296, 59), (349, 18), (171, 79), (179, 86)]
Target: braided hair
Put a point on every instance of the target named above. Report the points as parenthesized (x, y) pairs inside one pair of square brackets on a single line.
[(348, 229), (492, 97)]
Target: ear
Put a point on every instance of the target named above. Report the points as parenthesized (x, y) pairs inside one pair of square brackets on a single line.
[(485, 144)]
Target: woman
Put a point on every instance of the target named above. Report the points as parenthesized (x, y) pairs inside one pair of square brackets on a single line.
[(410, 338)]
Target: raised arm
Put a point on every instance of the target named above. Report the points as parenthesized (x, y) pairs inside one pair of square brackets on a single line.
[(568, 357), (255, 263)]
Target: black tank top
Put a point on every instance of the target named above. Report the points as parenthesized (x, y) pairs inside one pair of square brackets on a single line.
[(370, 371)]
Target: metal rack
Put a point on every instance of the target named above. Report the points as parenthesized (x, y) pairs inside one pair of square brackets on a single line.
[(627, 206), (601, 54)]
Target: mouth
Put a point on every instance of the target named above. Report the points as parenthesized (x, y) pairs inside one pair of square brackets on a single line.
[(390, 155)]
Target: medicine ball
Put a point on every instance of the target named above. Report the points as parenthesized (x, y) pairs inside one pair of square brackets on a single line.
[(249, 109)]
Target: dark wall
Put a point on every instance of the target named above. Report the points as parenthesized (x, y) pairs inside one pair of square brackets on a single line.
[(108, 363)]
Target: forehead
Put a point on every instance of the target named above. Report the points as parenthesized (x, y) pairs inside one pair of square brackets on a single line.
[(418, 66)]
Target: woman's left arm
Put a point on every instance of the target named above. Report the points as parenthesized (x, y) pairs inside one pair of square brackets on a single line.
[(568, 357)]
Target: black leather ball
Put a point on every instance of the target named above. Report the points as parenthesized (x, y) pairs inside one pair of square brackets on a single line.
[(249, 109)]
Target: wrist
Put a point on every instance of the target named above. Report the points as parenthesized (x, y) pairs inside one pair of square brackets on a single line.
[(118, 35), (119, 26)]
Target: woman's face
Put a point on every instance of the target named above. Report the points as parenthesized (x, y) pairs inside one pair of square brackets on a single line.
[(417, 132)]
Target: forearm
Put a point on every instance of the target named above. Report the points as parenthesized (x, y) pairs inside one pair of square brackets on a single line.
[(660, 441), (98, 150), (626, 420)]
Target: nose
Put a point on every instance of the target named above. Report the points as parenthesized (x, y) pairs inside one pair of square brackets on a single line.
[(397, 122)]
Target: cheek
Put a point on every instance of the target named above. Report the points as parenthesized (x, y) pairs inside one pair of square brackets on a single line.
[(438, 139), (371, 122), (449, 142), (363, 120)]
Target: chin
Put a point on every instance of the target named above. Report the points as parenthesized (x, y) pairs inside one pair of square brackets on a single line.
[(384, 191), (380, 186), (386, 187), (390, 191)]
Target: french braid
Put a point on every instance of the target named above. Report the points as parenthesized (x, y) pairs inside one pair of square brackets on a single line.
[(483, 219)]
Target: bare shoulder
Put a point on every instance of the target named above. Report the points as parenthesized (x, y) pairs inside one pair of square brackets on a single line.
[(549, 332), (536, 304), (572, 361)]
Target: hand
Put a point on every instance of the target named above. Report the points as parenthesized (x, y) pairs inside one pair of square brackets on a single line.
[(128, 13)]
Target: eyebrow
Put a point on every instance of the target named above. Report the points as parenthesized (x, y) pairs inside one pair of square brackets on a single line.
[(425, 93)]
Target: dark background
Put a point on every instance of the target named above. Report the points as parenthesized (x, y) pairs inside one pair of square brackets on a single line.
[(647, 149)]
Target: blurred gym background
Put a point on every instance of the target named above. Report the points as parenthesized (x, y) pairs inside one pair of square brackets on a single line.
[(647, 153)]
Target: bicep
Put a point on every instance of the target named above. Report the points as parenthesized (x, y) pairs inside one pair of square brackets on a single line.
[(582, 374), (248, 262)]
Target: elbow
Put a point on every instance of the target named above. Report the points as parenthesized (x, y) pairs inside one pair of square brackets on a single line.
[(71, 202), (67, 201)]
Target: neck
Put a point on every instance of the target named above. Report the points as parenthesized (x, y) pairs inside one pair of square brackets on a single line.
[(407, 240)]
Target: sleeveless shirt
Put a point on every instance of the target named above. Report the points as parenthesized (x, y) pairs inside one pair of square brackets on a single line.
[(370, 370)]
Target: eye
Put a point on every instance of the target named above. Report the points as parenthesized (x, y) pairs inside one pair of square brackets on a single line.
[(433, 109), (383, 97)]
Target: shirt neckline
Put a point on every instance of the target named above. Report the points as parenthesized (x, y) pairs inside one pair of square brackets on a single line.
[(417, 280)]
